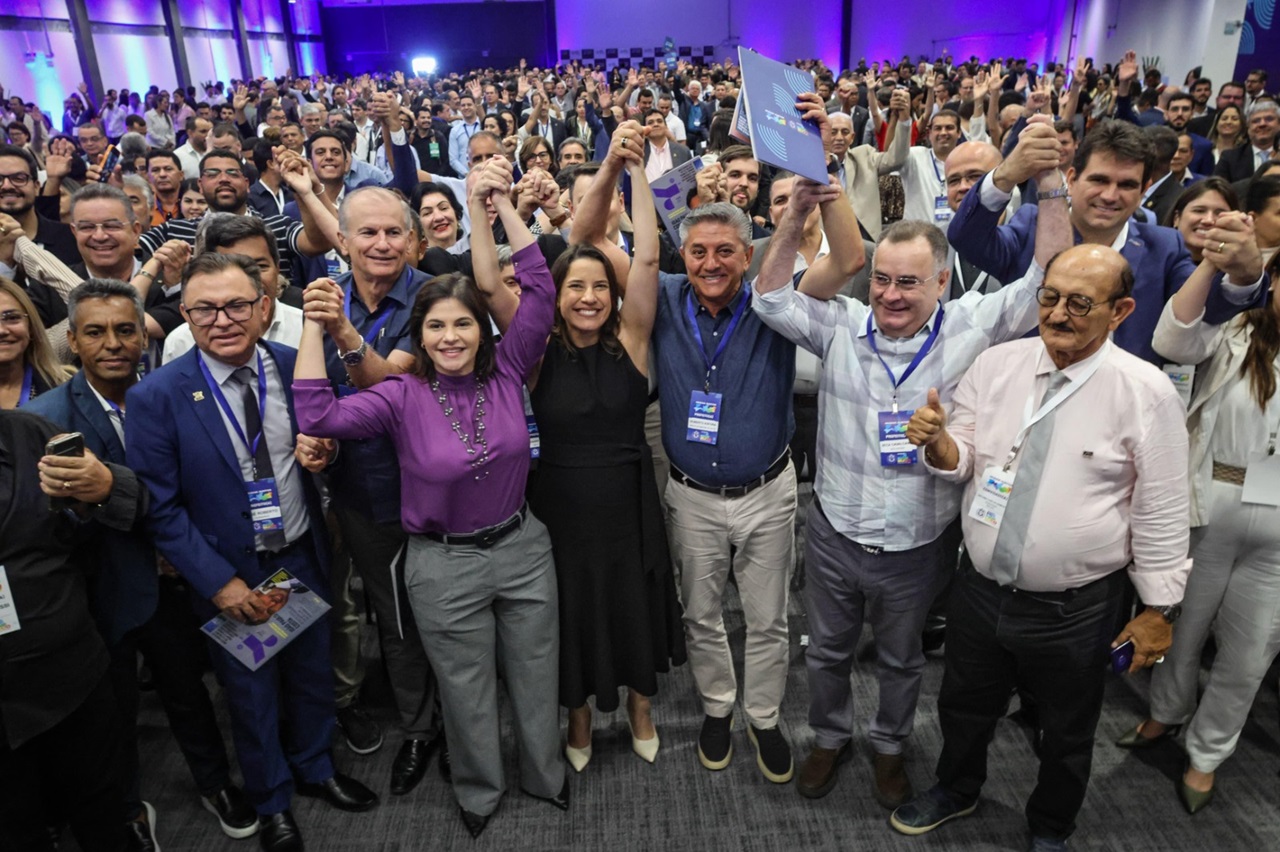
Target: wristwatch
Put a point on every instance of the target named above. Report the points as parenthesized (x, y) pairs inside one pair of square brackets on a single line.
[(1170, 613), (355, 356)]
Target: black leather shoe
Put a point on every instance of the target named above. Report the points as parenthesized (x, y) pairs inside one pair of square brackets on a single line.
[(411, 764), (345, 794), (474, 822), (560, 800), (233, 811), (446, 765), (141, 833), (279, 833)]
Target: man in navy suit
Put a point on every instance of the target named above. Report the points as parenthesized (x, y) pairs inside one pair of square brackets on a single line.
[(134, 608), (209, 434), (1177, 115), (1111, 169)]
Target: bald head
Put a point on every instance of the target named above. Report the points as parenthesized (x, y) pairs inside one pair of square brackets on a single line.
[(1087, 293), (965, 167)]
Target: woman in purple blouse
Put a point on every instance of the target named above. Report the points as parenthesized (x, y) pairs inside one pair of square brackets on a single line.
[(479, 571)]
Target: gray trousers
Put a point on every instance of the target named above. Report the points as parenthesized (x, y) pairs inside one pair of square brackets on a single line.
[(373, 548), (478, 611), (1233, 589), (846, 584)]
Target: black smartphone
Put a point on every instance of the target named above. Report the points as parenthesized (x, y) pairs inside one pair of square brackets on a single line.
[(1122, 657), (109, 163), (70, 444)]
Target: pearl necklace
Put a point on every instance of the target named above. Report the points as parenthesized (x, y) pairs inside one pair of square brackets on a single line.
[(470, 443)]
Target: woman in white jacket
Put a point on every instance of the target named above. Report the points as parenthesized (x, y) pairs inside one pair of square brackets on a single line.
[(1234, 585)]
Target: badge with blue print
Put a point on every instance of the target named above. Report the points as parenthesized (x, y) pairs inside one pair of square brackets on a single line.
[(895, 449), (704, 417), (264, 506)]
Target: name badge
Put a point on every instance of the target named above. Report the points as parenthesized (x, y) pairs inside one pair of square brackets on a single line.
[(941, 210), (704, 417), (1262, 480), (535, 442), (434, 150), (895, 449), (992, 498), (332, 266), (1182, 376), (9, 622), (264, 506)]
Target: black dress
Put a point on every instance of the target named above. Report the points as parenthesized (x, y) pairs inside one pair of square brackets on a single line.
[(594, 489)]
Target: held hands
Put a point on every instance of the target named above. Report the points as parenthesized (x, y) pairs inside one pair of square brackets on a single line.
[(173, 256), (900, 104), (1151, 636), (81, 478), (807, 194), (1037, 154), (713, 184), (314, 454), (1231, 246), (295, 171), (627, 144), (323, 302), (929, 423)]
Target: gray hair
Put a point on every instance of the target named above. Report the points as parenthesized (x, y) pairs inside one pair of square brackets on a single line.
[(391, 198), (906, 230), (132, 146), (210, 263), (97, 191), (104, 288), (720, 213), (1261, 105), (139, 182), (505, 257), (308, 108)]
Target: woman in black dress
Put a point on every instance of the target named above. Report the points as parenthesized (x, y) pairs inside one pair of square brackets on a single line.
[(594, 487)]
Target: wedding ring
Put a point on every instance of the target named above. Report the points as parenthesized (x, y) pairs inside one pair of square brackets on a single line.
[(66, 484), (1221, 246), (3, 231), (624, 144)]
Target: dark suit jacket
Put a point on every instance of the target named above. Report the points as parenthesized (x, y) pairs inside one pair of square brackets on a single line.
[(679, 153), (1202, 125), (179, 446), (1160, 262), (1201, 155), (1236, 164), (123, 590), (1160, 202), (558, 130), (52, 664)]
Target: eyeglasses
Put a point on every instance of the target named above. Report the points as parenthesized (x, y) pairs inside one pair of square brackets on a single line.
[(18, 179), (234, 174), (1077, 305), (480, 158), (205, 315), (114, 226), (906, 283), (13, 319), (541, 156)]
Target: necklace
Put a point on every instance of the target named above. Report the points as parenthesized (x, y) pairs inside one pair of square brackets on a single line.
[(470, 443)]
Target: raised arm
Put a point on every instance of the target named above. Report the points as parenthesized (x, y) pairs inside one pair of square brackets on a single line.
[(641, 303), (319, 224), (493, 178)]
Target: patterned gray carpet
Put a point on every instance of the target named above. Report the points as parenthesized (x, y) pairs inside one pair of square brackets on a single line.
[(620, 802)]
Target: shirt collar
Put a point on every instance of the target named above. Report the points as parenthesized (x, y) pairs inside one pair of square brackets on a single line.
[(1045, 365), (727, 309), (102, 400), (1121, 238), (399, 292), (1151, 189)]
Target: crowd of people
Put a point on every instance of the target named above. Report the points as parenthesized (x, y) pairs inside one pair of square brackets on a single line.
[(429, 332)]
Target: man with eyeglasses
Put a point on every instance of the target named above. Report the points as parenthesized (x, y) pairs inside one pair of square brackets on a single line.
[(881, 531), (1073, 457), (207, 435), (1112, 167), (18, 187)]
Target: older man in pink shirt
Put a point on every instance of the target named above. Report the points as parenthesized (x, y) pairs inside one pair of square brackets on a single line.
[(1074, 457)]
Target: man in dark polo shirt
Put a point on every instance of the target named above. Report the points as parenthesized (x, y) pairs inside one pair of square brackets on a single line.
[(725, 382)]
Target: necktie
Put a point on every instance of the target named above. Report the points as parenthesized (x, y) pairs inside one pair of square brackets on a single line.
[(966, 280), (253, 429), (1007, 555)]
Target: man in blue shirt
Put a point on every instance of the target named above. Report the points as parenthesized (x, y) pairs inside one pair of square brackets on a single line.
[(725, 382)]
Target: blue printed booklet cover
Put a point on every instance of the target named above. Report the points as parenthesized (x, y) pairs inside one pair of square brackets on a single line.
[(293, 608), (779, 136)]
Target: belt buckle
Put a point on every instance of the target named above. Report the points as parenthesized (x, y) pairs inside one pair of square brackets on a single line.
[(874, 551), (487, 539)]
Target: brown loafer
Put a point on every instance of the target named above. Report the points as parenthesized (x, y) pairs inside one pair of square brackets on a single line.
[(893, 788), (819, 772)]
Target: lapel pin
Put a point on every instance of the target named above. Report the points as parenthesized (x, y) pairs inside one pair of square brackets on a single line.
[(198, 396), (1088, 454)]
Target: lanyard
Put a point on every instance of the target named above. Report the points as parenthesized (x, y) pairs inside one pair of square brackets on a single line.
[(724, 341), (936, 171), (29, 375), (1029, 419), (915, 362), (377, 328), (474, 126), (226, 408)]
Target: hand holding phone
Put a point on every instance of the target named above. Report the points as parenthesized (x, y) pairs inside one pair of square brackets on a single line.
[(1122, 657)]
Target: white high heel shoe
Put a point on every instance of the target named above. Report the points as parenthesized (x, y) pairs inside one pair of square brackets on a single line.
[(578, 757), (647, 750)]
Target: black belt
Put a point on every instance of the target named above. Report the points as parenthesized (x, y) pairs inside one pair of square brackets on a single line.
[(485, 538), (768, 476), (1098, 586)]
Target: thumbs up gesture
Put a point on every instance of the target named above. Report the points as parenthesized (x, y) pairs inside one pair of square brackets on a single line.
[(927, 424)]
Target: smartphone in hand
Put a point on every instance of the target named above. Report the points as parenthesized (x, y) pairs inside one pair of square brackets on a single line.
[(1122, 657)]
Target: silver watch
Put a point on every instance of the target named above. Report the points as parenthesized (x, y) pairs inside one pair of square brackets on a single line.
[(355, 356)]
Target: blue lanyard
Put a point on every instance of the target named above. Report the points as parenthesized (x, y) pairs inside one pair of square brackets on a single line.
[(724, 341), (377, 326), (226, 407), (915, 362), (28, 377)]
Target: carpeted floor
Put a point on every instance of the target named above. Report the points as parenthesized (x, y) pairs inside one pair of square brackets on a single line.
[(620, 802)]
